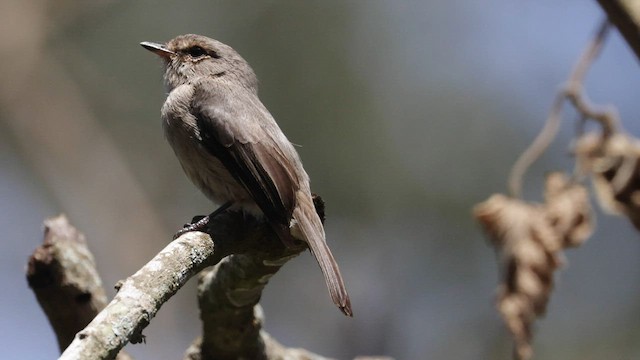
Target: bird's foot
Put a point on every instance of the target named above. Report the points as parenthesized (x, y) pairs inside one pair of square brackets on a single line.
[(200, 222)]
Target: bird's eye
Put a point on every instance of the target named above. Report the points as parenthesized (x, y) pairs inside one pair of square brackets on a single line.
[(196, 51)]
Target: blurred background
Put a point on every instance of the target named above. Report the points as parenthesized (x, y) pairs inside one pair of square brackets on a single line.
[(408, 113)]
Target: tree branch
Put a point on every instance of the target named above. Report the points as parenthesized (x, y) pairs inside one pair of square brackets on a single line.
[(62, 274), (228, 293), (140, 297), (625, 15), (228, 296)]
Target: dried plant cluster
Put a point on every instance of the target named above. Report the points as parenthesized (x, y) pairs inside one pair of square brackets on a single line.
[(529, 238), (613, 162)]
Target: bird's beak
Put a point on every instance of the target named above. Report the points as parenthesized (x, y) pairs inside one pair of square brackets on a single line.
[(158, 49)]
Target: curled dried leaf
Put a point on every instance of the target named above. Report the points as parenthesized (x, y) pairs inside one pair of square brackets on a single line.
[(614, 165), (529, 239), (568, 209), (528, 248)]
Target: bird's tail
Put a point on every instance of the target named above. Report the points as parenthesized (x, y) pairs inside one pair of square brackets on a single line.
[(312, 231)]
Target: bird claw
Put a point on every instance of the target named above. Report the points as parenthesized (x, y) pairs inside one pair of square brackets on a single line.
[(199, 223)]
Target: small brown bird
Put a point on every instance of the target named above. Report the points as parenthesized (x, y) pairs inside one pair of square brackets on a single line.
[(232, 149)]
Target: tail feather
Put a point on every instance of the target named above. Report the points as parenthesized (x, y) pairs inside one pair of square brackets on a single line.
[(312, 232)]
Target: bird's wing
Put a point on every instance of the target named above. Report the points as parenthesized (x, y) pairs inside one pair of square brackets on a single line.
[(241, 133)]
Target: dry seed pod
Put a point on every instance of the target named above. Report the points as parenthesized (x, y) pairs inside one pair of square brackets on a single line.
[(568, 209), (529, 251), (614, 164)]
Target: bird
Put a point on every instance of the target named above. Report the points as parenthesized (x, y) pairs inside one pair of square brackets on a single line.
[(232, 149)]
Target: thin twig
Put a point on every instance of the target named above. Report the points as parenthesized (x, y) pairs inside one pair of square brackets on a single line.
[(573, 91)]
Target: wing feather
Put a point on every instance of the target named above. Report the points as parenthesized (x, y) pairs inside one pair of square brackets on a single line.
[(244, 145)]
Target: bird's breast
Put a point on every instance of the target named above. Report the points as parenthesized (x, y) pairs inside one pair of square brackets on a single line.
[(200, 166)]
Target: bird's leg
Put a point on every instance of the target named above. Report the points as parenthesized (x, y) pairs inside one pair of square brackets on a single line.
[(200, 223)]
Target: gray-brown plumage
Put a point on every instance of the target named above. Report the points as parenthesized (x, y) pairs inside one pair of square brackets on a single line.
[(231, 148)]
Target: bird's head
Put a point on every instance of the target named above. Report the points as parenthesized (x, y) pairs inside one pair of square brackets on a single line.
[(190, 57)]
